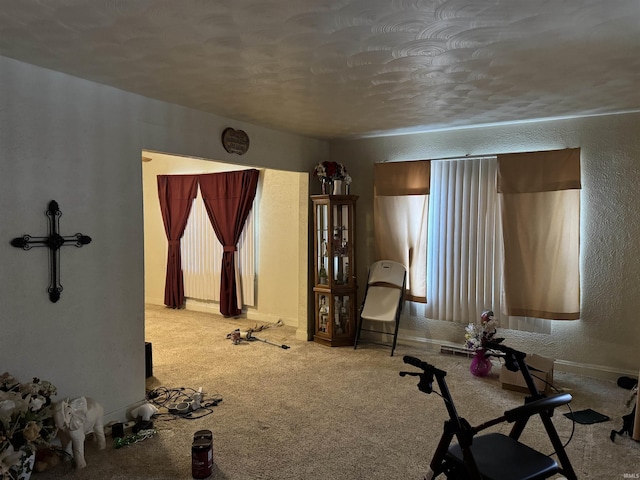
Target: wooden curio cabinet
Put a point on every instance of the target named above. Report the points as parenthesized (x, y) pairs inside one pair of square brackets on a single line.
[(334, 285)]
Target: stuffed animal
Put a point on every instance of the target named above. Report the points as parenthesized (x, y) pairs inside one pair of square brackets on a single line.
[(75, 419), (144, 411)]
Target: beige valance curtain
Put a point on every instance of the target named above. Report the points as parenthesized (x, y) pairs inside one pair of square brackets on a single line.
[(402, 178), (401, 204), (540, 205)]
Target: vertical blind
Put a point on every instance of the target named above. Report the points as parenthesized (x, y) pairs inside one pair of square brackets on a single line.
[(464, 262), (464, 247), (202, 257)]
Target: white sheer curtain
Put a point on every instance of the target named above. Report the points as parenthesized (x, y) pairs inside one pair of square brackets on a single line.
[(464, 253), (202, 257)]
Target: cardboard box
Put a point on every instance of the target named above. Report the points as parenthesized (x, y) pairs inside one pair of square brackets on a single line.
[(539, 366)]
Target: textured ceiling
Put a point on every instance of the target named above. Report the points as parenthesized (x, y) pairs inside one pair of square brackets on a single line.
[(345, 68)]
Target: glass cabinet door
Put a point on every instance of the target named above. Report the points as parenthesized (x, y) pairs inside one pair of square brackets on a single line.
[(341, 245), (334, 244), (335, 285), (335, 315), (322, 242)]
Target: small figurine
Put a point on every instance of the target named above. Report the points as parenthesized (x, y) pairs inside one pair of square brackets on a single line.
[(144, 411)]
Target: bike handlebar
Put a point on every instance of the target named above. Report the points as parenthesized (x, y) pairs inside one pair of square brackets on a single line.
[(430, 369), (513, 359), (505, 349), (416, 362)]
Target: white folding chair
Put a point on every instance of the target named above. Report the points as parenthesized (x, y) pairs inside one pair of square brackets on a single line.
[(383, 300)]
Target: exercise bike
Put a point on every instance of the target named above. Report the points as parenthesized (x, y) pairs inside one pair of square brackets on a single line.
[(494, 456)]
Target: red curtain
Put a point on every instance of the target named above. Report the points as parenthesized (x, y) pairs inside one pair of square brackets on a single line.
[(228, 198), (176, 194)]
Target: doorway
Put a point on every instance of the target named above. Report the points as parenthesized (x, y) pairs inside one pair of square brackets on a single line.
[(281, 205)]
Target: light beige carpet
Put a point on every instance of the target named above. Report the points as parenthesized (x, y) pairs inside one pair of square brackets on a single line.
[(314, 412)]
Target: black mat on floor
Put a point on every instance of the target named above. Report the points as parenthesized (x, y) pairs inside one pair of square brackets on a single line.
[(587, 416)]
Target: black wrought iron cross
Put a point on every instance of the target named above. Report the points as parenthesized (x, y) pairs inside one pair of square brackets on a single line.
[(53, 241)]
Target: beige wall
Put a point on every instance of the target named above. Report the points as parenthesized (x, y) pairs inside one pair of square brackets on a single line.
[(283, 287), (604, 341), (281, 237)]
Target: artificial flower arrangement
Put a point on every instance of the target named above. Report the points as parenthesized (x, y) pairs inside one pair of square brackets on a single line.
[(26, 420), (477, 335), (330, 171)]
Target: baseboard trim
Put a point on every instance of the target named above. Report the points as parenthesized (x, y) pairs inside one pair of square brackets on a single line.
[(588, 370), (249, 314), (597, 371), (203, 306)]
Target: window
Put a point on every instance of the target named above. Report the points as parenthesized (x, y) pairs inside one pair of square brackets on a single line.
[(202, 257), (465, 260)]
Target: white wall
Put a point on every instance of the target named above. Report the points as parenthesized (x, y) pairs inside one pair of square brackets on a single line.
[(604, 341), (80, 143), (281, 220)]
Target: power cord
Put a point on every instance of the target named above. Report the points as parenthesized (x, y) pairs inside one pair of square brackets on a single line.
[(573, 420), (183, 402)]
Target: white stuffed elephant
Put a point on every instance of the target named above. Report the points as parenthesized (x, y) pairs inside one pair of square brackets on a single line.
[(75, 419)]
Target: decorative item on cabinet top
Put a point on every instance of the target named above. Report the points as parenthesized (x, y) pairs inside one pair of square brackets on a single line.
[(333, 176)]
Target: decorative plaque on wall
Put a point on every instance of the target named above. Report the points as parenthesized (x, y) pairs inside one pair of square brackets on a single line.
[(235, 141)]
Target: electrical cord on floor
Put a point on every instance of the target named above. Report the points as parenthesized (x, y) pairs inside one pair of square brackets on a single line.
[(186, 403)]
